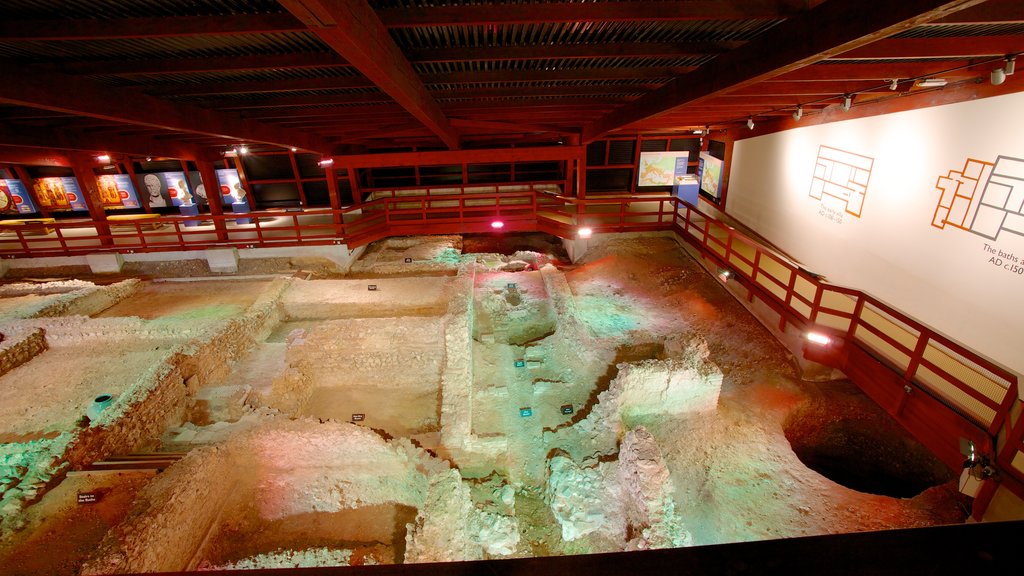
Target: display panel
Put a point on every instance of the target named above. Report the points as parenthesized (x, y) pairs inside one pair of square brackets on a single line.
[(660, 168), (59, 194), (230, 186), (117, 191), (166, 189), (14, 198), (709, 172)]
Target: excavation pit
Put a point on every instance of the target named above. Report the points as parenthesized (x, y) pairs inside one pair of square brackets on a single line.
[(851, 441)]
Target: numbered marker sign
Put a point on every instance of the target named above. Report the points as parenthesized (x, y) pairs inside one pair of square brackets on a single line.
[(566, 408), (88, 497), (358, 417), (525, 412), (408, 260), (511, 286), (520, 363), (371, 287)]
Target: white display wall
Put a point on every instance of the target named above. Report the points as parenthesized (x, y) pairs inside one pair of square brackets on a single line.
[(922, 209)]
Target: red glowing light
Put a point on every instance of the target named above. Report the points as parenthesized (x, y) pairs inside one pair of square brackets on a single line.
[(497, 224)]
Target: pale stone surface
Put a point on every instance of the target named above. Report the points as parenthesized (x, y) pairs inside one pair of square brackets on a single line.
[(222, 260), (105, 262)]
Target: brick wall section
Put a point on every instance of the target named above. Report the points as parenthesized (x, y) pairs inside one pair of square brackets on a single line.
[(20, 347)]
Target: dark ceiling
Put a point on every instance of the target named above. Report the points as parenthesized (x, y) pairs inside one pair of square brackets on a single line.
[(179, 79)]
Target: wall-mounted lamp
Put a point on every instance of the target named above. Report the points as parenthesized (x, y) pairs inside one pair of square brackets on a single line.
[(847, 102), (585, 232), (799, 113), (750, 122), (819, 338)]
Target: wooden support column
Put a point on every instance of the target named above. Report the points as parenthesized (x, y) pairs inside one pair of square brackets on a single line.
[(83, 168), (332, 193), (30, 188), (213, 197)]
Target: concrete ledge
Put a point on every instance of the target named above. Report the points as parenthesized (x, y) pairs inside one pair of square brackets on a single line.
[(105, 262), (222, 259), (338, 254)]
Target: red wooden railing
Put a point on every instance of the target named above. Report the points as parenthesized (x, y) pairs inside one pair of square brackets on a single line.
[(926, 371)]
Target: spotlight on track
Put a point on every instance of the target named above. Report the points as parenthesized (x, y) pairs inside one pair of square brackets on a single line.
[(894, 83), (847, 102), (819, 338), (1010, 66), (750, 122), (799, 113), (243, 149)]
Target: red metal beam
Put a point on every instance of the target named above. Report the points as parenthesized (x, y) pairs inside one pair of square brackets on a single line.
[(21, 155), (457, 157), (991, 12), (508, 127), (153, 66), (567, 51), (90, 29), (834, 27), (27, 86), (886, 71), (808, 88), (261, 86), (45, 139), (484, 14), (353, 30), (946, 47)]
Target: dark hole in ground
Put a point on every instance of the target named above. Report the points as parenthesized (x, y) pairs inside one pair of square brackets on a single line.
[(847, 438), (508, 243)]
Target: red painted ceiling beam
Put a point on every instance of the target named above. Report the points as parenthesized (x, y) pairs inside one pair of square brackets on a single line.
[(809, 88), (148, 27), (951, 47), (285, 101), (991, 12), (886, 71), (354, 31), (88, 142), (194, 65), (569, 51), (832, 28), (458, 157), (27, 86), (484, 14), (345, 82), (508, 127)]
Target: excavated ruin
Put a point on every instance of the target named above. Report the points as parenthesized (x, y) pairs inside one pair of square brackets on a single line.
[(447, 399)]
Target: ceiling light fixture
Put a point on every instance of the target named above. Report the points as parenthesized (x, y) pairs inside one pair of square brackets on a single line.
[(799, 113), (497, 224), (750, 122), (698, 132), (325, 162), (932, 83), (104, 158), (997, 77), (149, 158), (847, 102), (894, 83), (243, 149), (294, 149)]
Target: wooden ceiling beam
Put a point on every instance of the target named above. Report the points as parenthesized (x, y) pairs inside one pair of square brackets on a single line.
[(27, 86), (945, 47), (572, 51), (354, 31), (830, 29), (496, 14), (991, 12), (853, 71), (155, 66), (83, 29)]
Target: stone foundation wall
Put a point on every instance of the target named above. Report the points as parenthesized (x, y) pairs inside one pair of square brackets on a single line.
[(19, 347), (89, 301)]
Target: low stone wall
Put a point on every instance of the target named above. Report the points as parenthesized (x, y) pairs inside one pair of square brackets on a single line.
[(145, 409), (20, 346)]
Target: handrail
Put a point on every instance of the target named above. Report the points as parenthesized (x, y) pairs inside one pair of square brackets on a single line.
[(970, 385)]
